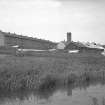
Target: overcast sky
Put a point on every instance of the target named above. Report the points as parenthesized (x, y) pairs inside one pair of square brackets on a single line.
[(52, 19)]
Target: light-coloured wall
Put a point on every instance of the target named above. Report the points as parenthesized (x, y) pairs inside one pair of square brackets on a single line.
[(1, 39), (61, 45)]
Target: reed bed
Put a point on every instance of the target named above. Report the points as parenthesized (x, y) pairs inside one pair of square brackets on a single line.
[(38, 73), (31, 80)]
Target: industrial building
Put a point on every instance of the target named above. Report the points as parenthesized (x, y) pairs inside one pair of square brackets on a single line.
[(70, 45), (25, 42)]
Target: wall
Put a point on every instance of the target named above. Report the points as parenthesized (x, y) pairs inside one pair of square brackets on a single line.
[(1, 39), (91, 50), (72, 46), (27, 43), (60, 45)]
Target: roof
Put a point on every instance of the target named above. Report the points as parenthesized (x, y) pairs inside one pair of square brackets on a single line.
[(78, 44), (24, 37), (95, 46), (81, 45)]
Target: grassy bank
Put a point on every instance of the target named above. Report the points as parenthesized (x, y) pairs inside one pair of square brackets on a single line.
[(22, 73)]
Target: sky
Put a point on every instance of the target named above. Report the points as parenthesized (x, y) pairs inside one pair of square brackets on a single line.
[(52, 19)]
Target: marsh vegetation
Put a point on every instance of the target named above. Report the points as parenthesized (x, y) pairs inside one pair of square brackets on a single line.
[(32, 73)]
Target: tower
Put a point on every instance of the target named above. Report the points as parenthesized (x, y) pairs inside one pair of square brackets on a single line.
[(69, 37)]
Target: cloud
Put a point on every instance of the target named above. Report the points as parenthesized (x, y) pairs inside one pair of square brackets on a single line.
[(31, 3), (80, 0)]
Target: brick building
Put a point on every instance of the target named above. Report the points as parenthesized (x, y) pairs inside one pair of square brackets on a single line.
[(10, 39)]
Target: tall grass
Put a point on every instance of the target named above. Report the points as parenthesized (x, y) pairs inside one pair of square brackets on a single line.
[(95, 101), (32, 73), (30, 80)]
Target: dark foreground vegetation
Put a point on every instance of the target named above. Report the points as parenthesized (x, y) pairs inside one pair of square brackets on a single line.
[(42, 73)]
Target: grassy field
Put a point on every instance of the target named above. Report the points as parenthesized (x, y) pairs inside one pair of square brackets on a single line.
[(34, 72)]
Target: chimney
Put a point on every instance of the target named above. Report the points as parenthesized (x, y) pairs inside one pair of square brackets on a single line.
[(68, 36)]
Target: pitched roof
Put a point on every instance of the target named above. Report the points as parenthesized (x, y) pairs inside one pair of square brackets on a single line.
[(82, 45), (78, 44), (24, 37)]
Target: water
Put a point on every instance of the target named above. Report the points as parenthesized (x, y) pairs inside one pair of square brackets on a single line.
[(70, 95)]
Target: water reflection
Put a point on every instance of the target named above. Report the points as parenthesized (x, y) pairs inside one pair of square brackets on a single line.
[(87, 93)]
